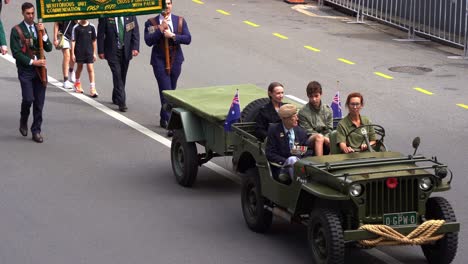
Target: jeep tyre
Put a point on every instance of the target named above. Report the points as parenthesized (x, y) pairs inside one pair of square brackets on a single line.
[(250, 112), (442, 251), (184, 159), (256, 216), (325, 236)]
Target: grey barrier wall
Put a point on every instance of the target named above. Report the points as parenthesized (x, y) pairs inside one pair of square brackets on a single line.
[(445, 20)]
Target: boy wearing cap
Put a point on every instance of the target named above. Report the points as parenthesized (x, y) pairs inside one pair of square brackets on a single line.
[(283, 138)]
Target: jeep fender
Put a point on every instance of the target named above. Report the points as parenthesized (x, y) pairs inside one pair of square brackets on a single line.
[(323, 192), (189, 123)]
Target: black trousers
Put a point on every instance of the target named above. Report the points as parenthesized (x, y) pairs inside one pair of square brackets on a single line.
[(33, 93), (119, 68)]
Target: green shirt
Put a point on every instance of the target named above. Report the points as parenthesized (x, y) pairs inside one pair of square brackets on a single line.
[(2, 35), (316, 121), (19, 51), (355, 140)]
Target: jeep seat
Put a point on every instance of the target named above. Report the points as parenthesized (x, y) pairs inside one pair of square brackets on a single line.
[(334, 149)]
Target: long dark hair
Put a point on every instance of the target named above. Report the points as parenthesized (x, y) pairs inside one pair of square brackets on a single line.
[(272, 86)]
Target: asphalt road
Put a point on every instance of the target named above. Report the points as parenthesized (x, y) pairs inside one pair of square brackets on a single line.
[(100, 188)]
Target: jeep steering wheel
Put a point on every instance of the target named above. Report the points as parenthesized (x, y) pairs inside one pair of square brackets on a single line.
[(379, 131)]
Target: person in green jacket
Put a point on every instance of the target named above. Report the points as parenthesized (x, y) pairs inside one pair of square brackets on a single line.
[(354, 119), (24, 45)]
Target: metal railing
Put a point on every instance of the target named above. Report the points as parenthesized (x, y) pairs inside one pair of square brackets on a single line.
[(445, 20)]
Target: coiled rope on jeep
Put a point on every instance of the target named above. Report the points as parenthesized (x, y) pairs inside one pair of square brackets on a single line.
[(388, 236)]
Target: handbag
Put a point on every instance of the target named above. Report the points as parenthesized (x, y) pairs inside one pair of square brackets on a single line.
[(61, 37)]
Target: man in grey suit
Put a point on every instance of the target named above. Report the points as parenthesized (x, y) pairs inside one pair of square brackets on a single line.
[(118, 40)]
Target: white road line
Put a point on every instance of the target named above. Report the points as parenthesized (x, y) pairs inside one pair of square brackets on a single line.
[(166, 142), (142, 129)]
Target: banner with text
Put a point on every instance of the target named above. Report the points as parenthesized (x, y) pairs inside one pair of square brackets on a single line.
[(57, 10)]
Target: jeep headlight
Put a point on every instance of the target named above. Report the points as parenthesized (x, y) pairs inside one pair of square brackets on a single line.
[(355, 189), (425, 183)]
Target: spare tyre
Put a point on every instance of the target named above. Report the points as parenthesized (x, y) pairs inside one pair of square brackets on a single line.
[(250, 112)]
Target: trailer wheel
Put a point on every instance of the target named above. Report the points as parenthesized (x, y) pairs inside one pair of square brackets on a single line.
[(442, 251), (325, 236), (250, 112), (256, 216), (184, 159)]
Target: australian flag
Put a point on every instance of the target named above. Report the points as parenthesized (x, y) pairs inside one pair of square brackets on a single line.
[(336, 106), (234, 113)]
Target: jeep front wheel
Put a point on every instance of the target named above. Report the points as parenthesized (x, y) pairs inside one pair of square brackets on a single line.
[(184, 159), (442, 251), (256, 216), (325, 236)]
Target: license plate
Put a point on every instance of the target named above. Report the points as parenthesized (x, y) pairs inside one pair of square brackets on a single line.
[(400, 219)]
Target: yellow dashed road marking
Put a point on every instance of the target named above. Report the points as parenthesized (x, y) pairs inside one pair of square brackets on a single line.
[(423, 91), (251, 24), (312, 48), (346, 61), (223, 12), (280, 36), (383, 75), (463, 106), (198, 2)]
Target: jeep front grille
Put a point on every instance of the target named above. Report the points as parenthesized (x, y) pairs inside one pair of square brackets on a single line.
[(382, 200)]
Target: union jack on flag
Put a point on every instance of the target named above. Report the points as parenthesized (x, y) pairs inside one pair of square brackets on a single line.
[(234, 113), (336, 106)]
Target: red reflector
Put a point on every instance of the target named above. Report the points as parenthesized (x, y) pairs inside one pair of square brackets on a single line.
[(392, 183)]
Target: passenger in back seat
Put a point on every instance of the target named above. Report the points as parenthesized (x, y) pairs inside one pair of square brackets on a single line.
[(268, 114), (317, 119)]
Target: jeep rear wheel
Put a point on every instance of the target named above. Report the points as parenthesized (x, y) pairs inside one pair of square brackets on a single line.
[(325, 236), (256, 216), (184, 159), (442, 251), (250, 112)]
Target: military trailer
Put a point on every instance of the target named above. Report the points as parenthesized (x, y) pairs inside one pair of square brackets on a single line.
[(363, 199)]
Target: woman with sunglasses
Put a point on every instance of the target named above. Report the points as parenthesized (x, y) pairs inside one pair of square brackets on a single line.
[(355, 142)]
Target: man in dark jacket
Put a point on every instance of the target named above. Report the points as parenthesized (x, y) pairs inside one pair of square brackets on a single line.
[(173, 30), (118, 41), (286, 140)]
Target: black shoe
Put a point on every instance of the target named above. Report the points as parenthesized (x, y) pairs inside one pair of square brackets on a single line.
[(170, 133), (23, 129), (163, 123), (123, 108), (37, 137)]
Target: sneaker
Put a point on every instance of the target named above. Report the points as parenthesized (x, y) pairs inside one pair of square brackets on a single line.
[(72, 76), (92, 92), (67, 85), (78, 88)]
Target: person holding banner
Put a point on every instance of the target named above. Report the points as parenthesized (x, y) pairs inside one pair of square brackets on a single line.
[(165, 33), (118, 41), (25, 47), (317, 119)]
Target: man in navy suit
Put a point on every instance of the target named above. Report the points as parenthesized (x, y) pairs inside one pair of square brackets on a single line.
[(284, 139), (175, 30), (118, 41)]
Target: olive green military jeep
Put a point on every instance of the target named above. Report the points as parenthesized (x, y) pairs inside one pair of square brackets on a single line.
[(368, 198)]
